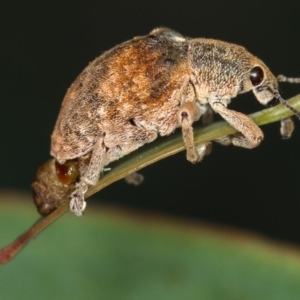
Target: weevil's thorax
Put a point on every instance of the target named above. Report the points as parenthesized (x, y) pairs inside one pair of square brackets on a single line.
[(219, 68), (222, 70)]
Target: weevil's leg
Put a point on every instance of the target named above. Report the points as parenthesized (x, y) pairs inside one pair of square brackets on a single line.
[(204, 149), (249, 136), (287, 128), (90, 177), (134, 178), (287, 125), (188, 112), (83, 163), (224, 140), (283, 78), (207, 114), (237, 139)]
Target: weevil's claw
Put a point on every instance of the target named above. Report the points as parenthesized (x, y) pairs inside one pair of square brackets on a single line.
[(77, 203)]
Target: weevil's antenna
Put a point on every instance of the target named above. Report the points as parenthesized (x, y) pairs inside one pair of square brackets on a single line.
[(283, 78), (291, 108)]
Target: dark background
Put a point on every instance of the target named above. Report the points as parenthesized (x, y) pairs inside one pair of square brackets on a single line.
[(44, 47)]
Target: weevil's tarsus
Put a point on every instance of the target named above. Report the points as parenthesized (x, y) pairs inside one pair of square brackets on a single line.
[(204, 149), (134, 178), (287, 127), (77, 202)]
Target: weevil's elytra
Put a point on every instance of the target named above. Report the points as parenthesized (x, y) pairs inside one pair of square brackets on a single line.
[(149, 86)]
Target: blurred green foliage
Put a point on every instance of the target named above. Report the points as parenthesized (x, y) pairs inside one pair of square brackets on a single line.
[(108, 254)]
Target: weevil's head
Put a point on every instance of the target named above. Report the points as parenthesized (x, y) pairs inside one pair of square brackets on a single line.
[(263, 83), (265, 86)]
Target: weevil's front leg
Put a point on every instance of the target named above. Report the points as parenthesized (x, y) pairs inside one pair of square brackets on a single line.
[(286, 130), (249, 134), (287, 125), (90, 177), (188, 112)]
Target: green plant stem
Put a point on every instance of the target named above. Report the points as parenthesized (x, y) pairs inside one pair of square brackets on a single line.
[(145, 156)]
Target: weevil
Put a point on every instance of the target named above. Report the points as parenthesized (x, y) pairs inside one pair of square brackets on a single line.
[(149, 86)]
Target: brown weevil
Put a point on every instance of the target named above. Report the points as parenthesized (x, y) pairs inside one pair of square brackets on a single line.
[(150, 86)]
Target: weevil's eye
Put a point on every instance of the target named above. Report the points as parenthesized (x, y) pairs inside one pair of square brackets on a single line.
[(256, 75)]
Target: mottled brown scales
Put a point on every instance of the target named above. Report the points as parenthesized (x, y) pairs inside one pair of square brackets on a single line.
[(129, 84), (149, 86)]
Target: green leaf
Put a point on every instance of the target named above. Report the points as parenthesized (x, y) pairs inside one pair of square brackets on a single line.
[(119, 255)]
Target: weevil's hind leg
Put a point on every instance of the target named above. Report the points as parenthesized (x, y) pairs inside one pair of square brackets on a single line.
[(287, 127), (90, 177), (188, 112)]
